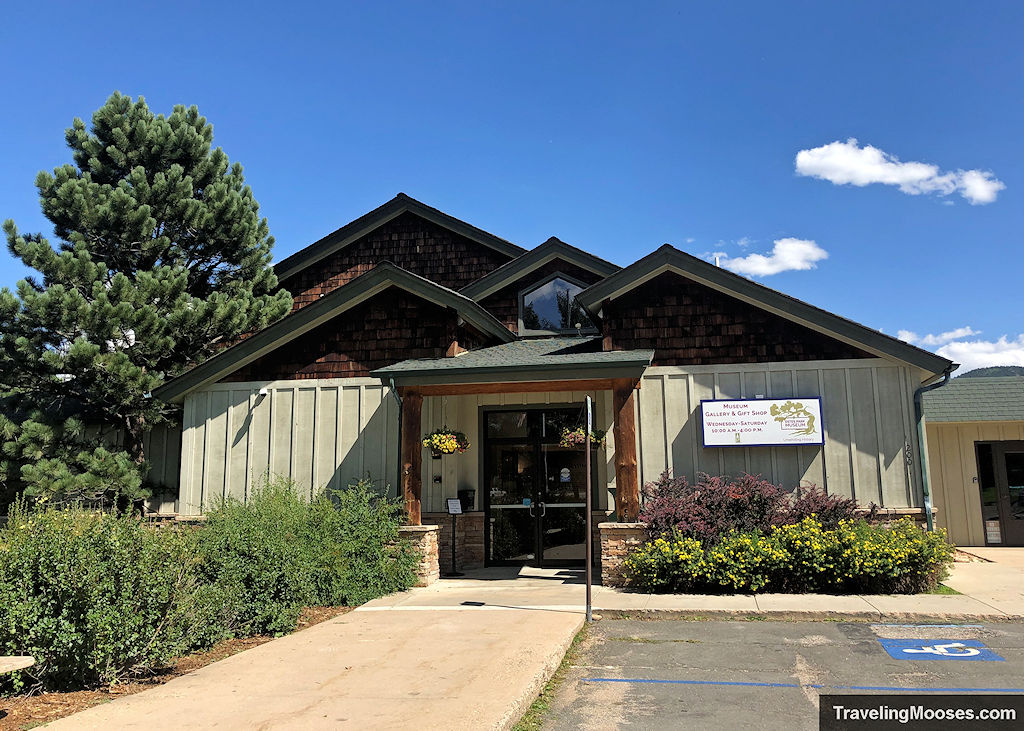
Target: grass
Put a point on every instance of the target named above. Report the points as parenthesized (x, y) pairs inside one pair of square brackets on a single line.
[(533, 719), (943, 589)]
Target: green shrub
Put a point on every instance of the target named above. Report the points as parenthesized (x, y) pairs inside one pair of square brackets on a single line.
[(92, 597), (96, 597), (854, 557), (278, 553), (740, 562), (257, 556), (369, 560), (665, 564)]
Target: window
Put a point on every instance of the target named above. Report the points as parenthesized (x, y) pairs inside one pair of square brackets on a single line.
[(551, 307)]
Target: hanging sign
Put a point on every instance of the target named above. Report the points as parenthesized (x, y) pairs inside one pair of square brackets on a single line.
[(761, 422)]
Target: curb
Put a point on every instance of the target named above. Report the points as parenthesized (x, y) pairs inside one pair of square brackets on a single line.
[(808, 616), (533, 689)]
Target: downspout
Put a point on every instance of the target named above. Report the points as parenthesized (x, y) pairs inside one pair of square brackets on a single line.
[(919, 417), (398, 468)]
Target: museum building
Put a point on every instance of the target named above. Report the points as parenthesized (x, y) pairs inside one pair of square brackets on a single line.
[(408, 321)]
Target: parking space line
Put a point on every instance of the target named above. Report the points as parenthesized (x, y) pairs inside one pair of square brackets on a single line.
[(886, 688), (699, 682)]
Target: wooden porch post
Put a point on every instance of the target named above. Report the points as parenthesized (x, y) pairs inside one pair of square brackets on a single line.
[(627, 488), (412, 454)]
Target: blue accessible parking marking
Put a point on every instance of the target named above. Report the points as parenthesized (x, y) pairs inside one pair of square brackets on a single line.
[(939, 650)]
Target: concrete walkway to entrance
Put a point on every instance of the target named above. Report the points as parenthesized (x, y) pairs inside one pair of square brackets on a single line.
[(998, 581), (433, 660)]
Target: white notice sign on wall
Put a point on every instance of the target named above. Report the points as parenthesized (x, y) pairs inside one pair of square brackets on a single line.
[(761, 422)]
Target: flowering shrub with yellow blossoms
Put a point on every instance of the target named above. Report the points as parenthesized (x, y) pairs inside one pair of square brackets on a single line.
[(446, 441), (854, 557)]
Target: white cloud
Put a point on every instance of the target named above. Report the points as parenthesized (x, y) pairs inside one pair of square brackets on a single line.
[(940, 339), (847, 163), (786, 255), (980, 187), (970, 354), (690, 240)]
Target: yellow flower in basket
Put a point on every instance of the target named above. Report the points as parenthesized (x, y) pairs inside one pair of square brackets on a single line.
[(445, 441)]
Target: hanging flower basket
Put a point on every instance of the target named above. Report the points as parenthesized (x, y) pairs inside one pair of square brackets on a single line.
[(445, 441), (578, 437)]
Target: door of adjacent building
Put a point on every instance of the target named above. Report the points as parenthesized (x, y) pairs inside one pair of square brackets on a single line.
[(534, 490), (1001, 478)]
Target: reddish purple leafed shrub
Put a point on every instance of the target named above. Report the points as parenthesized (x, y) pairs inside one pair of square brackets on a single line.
[(716, 505), (827, 509), (712, 507)]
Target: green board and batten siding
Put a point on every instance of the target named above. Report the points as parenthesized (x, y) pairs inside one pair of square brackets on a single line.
[(332, 431), (867, 413), (318, 433)]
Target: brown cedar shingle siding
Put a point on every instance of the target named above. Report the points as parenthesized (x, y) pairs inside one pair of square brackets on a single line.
[(409, 241), (391, 326), (687, 323), (504, 304)]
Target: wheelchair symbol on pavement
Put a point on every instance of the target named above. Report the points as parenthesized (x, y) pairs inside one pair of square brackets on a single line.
[(938, 650), (949, 649)]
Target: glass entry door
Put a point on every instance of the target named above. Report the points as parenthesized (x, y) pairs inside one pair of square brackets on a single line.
[(1009, 474), (536, 490)]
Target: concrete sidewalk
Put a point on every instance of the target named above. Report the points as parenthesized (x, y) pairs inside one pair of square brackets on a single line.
[(990, 592), (445, 665), (997, 582)]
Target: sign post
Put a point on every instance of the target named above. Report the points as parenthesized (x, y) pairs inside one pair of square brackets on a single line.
[(454, 510), (589, 540)]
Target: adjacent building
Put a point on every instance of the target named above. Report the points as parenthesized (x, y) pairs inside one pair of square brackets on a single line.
[(975, 441)]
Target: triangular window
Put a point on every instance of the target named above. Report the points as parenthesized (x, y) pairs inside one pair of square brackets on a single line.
[(551, 308)]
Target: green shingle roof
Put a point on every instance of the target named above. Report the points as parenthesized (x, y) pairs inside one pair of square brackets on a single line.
[(977, 399), (564, 358)]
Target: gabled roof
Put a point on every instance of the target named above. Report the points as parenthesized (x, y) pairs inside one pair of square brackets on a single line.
[(999, 398), (378, 279), (363, 225), (550, 250), (545, 359), (669, 258)]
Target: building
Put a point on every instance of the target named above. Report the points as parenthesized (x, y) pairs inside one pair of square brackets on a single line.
[(975, 435), (407, 320)]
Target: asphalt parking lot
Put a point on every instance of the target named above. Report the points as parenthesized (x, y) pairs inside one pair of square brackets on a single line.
[(669, 674)]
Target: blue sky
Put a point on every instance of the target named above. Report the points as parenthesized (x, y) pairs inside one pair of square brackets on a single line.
[(615, 126)]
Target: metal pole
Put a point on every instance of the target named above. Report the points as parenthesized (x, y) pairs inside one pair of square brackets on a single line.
[(455, 570), (589, 530)]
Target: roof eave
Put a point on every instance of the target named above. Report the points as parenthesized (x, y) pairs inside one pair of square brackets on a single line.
[(668, 258), (401, 203), (515, 374), (343, 298), (534, 259)]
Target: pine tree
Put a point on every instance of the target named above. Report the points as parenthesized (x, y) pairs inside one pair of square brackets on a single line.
[(162, 259)]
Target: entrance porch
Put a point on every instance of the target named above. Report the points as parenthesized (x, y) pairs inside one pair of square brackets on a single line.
[(523, 495)]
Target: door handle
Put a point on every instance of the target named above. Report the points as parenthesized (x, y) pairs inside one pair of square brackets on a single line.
[(543, 509), (530, 508)]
